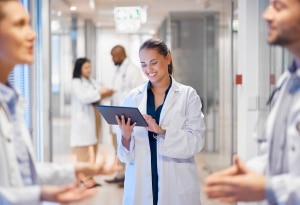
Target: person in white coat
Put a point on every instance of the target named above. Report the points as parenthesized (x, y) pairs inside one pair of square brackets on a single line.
[(275, 175), (126, 77), (22, 180), (85, 118), (160, 158)]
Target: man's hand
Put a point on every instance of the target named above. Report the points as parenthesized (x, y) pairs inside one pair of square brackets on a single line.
[(66, 194), (106, 92), (103, 167), (237, 183)]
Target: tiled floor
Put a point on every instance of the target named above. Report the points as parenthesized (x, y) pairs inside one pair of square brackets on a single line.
[(108, 194)]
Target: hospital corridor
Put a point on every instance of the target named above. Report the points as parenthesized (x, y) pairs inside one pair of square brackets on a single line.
[(211, 74)]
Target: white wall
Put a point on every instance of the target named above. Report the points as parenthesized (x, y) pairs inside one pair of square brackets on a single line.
[(225, 78), (248, 67)]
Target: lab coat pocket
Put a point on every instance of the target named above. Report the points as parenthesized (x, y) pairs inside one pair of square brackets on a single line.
[(187, 180), (294, 126), (293, 133), (178, 120)]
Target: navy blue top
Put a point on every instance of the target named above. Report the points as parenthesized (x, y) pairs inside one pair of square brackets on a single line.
[(152, 140)]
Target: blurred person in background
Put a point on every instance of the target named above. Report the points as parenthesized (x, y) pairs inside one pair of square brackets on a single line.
[(126, 77), (22, 179), (85, 117)]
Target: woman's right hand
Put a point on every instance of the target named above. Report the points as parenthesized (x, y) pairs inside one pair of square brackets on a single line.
[(74, 192), (126, 130)]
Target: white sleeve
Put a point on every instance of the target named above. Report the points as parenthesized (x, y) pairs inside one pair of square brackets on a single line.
[(20, 196), (283, 189), (126, 156), (54, 174)]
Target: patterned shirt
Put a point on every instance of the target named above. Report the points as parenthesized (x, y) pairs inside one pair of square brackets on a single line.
[(10, 98)]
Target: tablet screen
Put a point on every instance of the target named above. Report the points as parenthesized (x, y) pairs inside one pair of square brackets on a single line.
[(109, 113)]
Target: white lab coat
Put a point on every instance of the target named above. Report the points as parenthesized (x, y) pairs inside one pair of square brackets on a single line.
[(83, 127), (126, 77), (12, 190), (182, 118), (285, 187)]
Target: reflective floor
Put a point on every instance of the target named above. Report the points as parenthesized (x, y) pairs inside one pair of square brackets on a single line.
[(108, 194)]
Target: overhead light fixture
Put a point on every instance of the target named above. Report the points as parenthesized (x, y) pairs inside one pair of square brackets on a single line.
[(73, 8), (152, 32), (92, 4), (129, 19)]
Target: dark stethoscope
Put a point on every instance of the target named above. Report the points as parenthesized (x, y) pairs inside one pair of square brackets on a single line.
[(293, 84)]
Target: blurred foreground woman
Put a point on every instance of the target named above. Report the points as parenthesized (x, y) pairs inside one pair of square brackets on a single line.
[(22, 181)]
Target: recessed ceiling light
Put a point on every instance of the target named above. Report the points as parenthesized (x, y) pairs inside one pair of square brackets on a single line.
[(92, 4), (73, 8), (152, 32)]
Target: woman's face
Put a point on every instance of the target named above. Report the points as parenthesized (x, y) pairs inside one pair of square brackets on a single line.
[(86, 70), (154, 65), (16, 36)]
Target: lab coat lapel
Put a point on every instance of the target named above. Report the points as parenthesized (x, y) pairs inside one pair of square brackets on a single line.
[(276, 107), (170, 99), (142, 99)]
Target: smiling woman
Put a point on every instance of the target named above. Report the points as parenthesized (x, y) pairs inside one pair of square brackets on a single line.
[(175, 134)]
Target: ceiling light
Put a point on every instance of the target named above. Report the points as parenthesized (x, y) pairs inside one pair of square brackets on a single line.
[(73, 8), (152, 32), (92, 4)]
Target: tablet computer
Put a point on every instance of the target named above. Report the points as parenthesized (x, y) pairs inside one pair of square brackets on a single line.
[(109, 113)]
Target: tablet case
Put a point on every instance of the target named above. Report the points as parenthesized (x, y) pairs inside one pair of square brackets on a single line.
[(109, 113)]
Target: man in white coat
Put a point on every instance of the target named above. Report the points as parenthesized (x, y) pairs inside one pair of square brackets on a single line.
[(278, 179), (127, 76)]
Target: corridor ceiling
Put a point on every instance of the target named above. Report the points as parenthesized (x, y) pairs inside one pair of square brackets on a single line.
[(103, 12)]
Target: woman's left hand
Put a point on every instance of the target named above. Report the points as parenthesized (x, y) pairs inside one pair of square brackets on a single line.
[(152, 125)]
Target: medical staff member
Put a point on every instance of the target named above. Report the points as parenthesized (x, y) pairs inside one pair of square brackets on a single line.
[(85, 118), (160, 159), (22, 180), (126, 77), (278, 178)]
